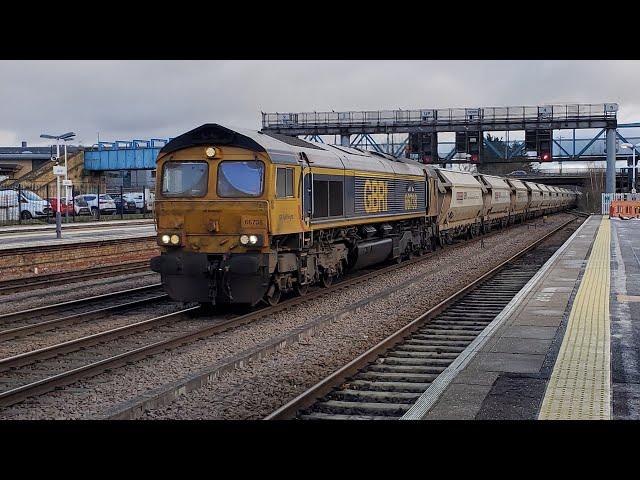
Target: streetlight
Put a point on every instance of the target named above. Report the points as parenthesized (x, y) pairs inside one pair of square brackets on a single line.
[(57, 138), (66, 173), (633, 148)]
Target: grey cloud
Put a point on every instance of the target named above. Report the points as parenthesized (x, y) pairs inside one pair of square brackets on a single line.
[(144, 99)]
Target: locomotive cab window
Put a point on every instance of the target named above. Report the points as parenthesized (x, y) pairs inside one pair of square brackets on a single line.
[(240, 178), (284, 183), (185, 179)]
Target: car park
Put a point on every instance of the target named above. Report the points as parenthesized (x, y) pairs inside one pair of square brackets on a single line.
[(102, 203)]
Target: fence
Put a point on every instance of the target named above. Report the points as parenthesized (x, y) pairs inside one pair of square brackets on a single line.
[(37, 203), (607, 198)]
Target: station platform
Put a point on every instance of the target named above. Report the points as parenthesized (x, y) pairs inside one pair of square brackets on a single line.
[(566, 347), (29, 236), (8, 229)]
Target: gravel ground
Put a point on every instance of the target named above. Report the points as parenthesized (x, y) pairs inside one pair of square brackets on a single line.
[(262, 386), (62, 293)]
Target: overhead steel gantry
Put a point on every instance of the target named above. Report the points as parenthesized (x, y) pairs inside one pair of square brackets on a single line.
[(468, 123)]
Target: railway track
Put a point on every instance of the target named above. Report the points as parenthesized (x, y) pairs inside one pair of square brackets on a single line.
[(40, 371), (43, 370), (32, 283), (40, 319), (385, 381)]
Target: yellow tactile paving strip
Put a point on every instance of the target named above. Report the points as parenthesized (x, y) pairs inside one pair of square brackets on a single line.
[(579, 388)]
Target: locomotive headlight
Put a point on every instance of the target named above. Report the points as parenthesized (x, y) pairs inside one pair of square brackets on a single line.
[(175, 239), (244, 239), (211, 152), (165, 239), (253, 239)]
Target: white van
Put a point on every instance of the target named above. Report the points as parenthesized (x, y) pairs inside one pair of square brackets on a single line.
[(30, 205), (142, 200)]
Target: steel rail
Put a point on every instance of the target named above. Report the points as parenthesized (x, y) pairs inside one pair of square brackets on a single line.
[(337, 378), (30, 283), (48, 309), (75, 318)]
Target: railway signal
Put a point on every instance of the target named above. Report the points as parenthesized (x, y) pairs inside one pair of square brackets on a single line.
[(538, 142), (470, 143)]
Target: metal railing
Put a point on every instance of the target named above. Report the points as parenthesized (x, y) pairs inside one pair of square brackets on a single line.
[(603, 111), (37, 204), (129, 144)]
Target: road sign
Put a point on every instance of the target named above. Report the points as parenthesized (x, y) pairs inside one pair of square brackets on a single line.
[(67, 183), (59, 170)]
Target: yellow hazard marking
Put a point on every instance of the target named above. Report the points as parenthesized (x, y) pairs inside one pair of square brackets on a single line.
[(580, 385)]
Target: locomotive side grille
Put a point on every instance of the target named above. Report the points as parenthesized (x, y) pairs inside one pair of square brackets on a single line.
[(385, 195)]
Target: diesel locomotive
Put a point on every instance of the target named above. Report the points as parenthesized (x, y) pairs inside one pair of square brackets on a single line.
[(244, 216)]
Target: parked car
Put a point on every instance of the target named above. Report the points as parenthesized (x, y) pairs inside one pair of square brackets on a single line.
[(128, 206), (103, 202), (144, 201), (31, 204), (81, 206), (66, 207), (518, 173)]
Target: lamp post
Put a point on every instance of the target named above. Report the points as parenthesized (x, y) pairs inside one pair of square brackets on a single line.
[(66, 174), (633, 148), (57, 138)]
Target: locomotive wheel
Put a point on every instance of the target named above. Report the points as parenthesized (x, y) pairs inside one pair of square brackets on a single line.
[(274, 299), (301, 290), (326, 280)]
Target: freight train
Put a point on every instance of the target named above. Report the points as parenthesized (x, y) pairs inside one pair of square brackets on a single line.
[(245, 216)]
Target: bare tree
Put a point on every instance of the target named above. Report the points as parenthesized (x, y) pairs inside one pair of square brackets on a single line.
[(591, 200)]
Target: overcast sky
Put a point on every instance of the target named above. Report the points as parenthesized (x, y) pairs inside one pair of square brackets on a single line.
[(155, 99)]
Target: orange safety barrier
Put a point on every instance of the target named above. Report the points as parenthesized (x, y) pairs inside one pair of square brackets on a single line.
[(625, 208)]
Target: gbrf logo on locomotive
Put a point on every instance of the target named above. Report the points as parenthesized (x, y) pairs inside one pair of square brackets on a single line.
[(376, 193)]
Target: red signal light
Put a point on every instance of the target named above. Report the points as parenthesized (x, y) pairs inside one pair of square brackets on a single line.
[(474, 158), (545, 157)]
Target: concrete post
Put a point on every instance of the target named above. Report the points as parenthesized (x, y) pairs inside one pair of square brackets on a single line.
[(345, 140), (611, 161)]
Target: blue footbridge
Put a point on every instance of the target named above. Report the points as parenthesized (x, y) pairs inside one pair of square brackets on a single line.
[(124, 155)]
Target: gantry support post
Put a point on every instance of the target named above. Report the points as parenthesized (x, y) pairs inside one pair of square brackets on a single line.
[(611, 160), (345, 140)]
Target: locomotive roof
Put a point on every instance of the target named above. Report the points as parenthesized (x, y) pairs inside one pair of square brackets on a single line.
[(283, 149)]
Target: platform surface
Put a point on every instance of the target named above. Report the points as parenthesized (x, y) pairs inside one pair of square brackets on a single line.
[(29, 227), (74, 233), (568, 347)]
